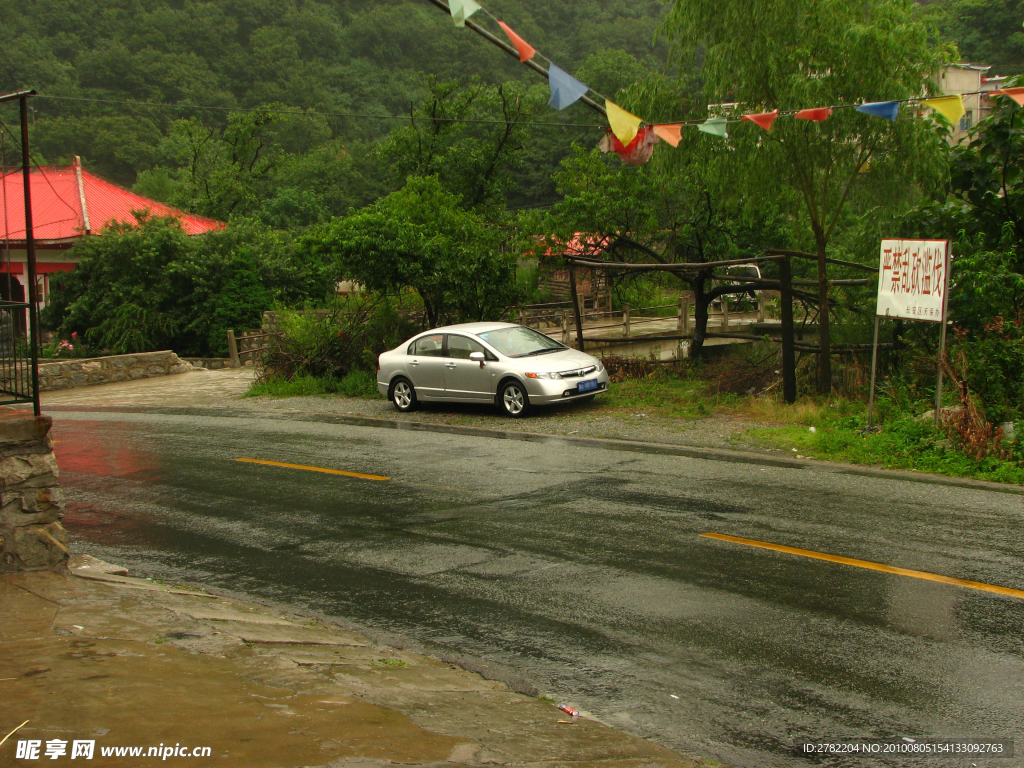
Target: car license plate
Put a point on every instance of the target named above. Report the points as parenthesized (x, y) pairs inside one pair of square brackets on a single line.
[(589, 384)]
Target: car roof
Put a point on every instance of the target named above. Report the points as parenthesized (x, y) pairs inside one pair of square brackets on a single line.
[(473, 328)]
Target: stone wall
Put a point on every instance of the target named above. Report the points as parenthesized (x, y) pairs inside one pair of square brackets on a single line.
[(209, 363), (31, 504), (65, 374)]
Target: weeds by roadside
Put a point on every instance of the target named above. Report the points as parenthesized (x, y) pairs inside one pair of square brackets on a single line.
[(355, 383)]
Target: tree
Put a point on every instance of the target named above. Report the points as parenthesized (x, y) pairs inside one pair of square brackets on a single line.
[(421, 238), (671, 210), (149, 286), (987, 32), (794, 54)]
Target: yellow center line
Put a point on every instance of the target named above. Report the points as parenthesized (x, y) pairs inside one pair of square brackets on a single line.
[(316, 469), (869, 565)]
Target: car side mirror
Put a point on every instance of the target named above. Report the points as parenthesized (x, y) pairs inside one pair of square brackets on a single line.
[(478, 357)]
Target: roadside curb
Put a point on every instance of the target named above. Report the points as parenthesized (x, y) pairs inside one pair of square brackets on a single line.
[(663, 449)]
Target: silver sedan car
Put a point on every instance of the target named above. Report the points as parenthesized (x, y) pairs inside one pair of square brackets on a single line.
[(510, 365)]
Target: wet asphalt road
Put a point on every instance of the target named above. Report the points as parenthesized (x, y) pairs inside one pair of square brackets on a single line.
[(581, 570)]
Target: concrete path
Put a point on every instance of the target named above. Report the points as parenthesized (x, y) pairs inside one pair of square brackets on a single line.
[(123, 663), (198, 388)]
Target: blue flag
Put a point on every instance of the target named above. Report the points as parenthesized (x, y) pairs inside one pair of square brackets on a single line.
[(565, 89), (886, 109)]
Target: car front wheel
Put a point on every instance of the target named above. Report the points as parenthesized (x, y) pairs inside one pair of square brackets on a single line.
[(403, 396), (513, 399)]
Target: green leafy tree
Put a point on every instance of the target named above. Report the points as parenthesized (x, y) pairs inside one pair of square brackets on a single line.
[(793, 54), (987, 32), (149, 286), (421, 237)]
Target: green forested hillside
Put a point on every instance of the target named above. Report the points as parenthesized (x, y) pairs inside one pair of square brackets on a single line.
[(335, 56)]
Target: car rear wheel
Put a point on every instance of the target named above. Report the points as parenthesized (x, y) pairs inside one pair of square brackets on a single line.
[(403, 396), (513, 399)]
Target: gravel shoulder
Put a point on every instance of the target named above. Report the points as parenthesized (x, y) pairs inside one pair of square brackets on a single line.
[(226, 389)]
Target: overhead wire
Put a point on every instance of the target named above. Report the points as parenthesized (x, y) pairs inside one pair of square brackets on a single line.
[(314, 113), (42, 172)]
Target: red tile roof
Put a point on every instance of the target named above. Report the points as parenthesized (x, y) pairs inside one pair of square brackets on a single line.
[(57, 205)]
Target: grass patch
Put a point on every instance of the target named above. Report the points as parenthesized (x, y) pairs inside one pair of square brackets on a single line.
[(354, 384), (903, 443), (667, 395)]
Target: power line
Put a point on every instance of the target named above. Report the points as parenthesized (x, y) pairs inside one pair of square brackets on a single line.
[(360, 115), (41, 173)]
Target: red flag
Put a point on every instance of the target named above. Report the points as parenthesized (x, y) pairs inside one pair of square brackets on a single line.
[(526, 51), (817, 114), (764, 119), (637, 152)]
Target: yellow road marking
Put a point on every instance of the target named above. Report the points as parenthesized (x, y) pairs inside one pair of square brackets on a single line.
[(869, 565), (316, 469)]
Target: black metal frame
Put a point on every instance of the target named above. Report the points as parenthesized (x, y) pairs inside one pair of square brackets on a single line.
[(32, 396), (18, 361)]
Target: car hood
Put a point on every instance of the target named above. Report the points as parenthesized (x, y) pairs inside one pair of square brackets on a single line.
[(556, 362)]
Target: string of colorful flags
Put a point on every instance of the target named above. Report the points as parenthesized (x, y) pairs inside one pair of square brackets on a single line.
[(633, 139)]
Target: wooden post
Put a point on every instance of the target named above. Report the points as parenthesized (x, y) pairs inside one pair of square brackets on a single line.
[(760, 306), (233, 350), (576, 306), (725, 312), (683, 323), (565, 327), (874, 369), (625, 321), (788, 348), (522, 317)]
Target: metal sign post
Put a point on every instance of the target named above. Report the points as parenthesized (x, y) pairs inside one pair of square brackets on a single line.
[(913, 284)]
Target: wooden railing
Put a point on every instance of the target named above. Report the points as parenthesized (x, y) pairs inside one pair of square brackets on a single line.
[(559, 314)]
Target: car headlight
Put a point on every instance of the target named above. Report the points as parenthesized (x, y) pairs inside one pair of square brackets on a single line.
[(543, 375)]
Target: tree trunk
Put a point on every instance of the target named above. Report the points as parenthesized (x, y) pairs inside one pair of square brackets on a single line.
[(824, 337), (701, 303)]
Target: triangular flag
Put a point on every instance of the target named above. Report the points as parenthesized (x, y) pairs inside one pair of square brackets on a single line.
[(565, 89), (715, 126), (526, 51), (1017, 94), (672, 134), (817, 114), (624, 124), (462, 10), (887, 109), (764, 119), (950, 107)]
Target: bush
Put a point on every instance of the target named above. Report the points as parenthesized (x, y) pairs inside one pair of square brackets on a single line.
[(338, 345), (150, 286)]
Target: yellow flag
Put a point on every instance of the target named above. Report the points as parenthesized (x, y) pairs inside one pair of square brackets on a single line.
[(950, 107), (624, 125)]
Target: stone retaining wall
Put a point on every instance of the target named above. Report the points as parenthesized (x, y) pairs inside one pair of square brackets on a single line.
[(65, 374), (31, 504), (209, 363)]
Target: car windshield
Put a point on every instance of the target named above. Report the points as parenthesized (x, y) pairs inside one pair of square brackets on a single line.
[(520, 341)]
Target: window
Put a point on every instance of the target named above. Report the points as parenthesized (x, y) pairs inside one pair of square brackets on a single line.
[(460, 347), (967, 120), (520, 341), (428, 346)]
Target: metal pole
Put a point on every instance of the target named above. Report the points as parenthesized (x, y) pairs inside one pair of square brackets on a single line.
[(942, 340), (576, 306), (788, 343), (874, 368), (30, 251)]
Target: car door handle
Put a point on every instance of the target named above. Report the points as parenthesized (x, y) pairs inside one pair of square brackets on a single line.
[(450, 365), (415, 362)]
